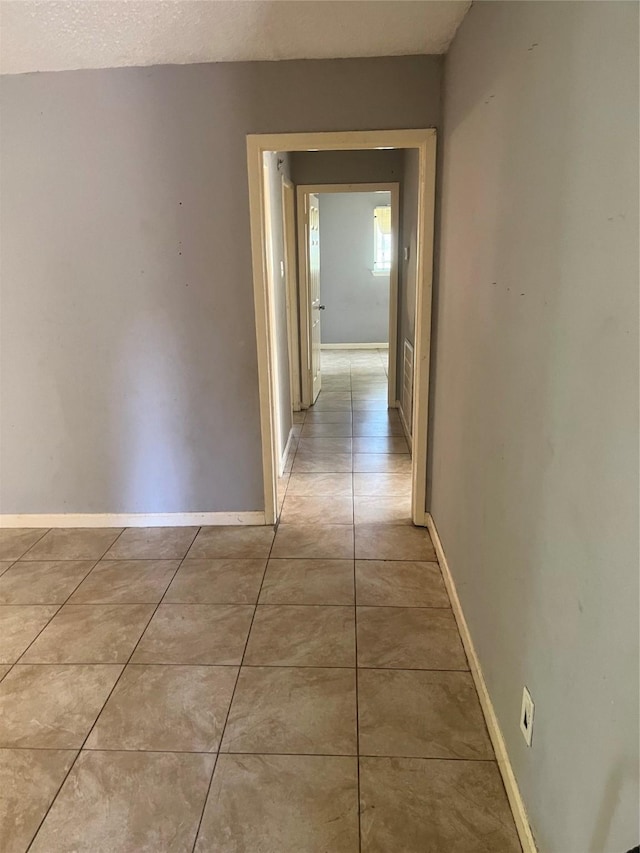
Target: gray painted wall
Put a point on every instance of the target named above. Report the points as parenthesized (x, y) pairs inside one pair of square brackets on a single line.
[(535, 440), (277, 164), (129, 375), (346, 167), (357, 302)]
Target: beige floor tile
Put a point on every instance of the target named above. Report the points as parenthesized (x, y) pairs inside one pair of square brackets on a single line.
[(90, 633), (281, 804), (393, 542), (292, 635), (326, 430), (369, 405), (293, 710), (152, 543), (166, 708), (363, 389), (319, 541), (332, 396), (380, 444), (216, 582), (20, 624), (390, 418), (29, 780), (308, 582), (283, 483), (377, 428), (4, 565), (319, 485), (195, 634), (336, 383), (412, 805), (373, 393), (409, 638), (4, 669), (126, 582), (52, 707), (74, 543), (105, 804), (319, 463), (328, 417), (382, 510), (381, 484), (47, 582), (374, 382), (334, 405), (324, 445), (420, 715), (213, 542), (303, 509), (14, 542), (393, 463), (398, 583)]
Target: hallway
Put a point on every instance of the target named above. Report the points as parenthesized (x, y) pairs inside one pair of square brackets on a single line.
[(228, 691)]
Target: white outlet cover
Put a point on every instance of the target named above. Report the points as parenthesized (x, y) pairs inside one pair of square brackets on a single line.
[(526, 716)]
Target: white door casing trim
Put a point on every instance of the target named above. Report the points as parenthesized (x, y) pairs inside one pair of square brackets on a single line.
[(289, 225), (425, 142)]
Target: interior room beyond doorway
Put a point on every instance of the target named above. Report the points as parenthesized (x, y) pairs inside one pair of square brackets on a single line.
[(356, 248)]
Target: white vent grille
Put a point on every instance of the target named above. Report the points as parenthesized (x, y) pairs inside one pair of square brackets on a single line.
[(406, 399)]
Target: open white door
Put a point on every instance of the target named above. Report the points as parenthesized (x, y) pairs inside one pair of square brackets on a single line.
[(313, 241)]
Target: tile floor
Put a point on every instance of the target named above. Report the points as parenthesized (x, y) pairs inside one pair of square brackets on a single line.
[(228, 690)]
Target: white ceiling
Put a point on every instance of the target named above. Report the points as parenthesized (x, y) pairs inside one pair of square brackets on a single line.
[(53, 35)]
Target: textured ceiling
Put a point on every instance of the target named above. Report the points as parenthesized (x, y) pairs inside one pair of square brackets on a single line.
[(52, 35)]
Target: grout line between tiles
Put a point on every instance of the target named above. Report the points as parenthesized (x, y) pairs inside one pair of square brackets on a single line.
[(45, 530), (124, 666), (233, 693), (60, 606), (248, 666), (265, 752)]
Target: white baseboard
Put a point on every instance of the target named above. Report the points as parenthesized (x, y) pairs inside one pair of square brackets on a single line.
[(354, 346), (502, 757), (285, 453), (132, 519), (405, 427)]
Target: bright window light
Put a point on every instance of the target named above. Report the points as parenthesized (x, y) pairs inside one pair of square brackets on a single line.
[(382, 240)]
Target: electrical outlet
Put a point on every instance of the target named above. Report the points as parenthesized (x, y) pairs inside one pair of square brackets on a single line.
[(526, 716)]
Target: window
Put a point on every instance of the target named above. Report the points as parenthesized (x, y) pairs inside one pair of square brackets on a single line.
[(382, 242)]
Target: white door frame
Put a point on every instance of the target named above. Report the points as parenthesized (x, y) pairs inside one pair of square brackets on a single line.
[(289, 223), (425, 142), (304, 190)]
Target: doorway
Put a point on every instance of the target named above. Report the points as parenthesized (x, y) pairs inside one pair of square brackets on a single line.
[(350, 318), (423, 143)]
